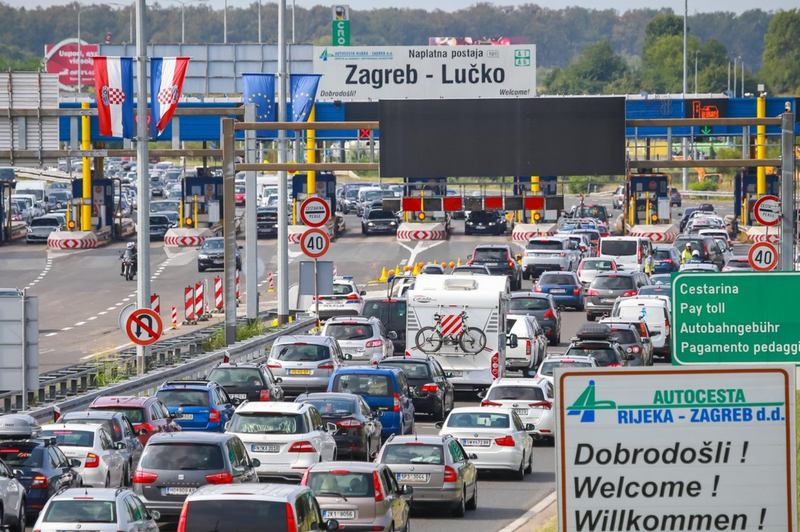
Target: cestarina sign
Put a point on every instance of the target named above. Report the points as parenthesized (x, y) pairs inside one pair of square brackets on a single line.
[(684, 449), (401, 72), (62, 59)]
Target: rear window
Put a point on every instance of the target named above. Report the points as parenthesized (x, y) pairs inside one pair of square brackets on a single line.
[(413, 370), (364, 384), (107, 423), (22, 455), (662, 290), (81, 511), (624, 336), (521, 393), (603, 355), (391, 313), (639, 312), (547, 367), (136, 415), (413, 453), (528, 303), (333, 407), (70, 438), (557, 279), (178, 398), (182, 456), (341, 483), (478, 420), (599, 265), (662, 254), (490, 255), (301, 353), (344, 332), (267, 423), (341, 289), (737, 264), (236, 377), (618, 248), (545, 245), (226, 516), (613, 282), (598, 212)]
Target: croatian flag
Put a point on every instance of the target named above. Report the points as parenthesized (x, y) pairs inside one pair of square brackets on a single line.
[(166, 84), (113, 82)]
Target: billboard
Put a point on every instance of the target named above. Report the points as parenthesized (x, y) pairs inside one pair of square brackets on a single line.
[(475, 41), (676, 449), (402, 72), (62, 59)]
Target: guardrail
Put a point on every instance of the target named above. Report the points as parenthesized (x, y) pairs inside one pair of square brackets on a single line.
[(197, 367), (49, 175)]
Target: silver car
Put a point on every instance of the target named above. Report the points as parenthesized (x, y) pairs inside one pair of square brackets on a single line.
[(12, 498), (363, 340), (98, 509), (590, 267), (305, 363), (102, 461), (40, 228)]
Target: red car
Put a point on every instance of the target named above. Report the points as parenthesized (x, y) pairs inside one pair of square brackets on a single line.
[(238, 195), (148, 415)]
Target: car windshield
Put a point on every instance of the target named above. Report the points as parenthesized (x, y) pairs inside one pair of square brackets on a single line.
[(478, 420), (521, 393), (548, 366), (178, 398), (180, 456), (70, 438), (344, 331), (136, 415), (341, 483), (546, 245), (213, 245), (612, 282), (598, 265), (365, 384), (159, 220), (392, 313), (333, 407), (21, 454), (236, 376), (341, 289), (618, 248), (162, 206), (490, 255), (413, 453), (528, 303), (597, 211), (380, 214), (222, 516), (80, 511), (604, 356), (267, 423), (44, 222), (300, 353), (557, 279), (413, 370)]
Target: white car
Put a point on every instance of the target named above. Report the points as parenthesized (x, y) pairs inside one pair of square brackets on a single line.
[(531, 399), (698, 267), (618, 198), (552, 362), (98, 509), (590, 267), (363, 340), (344, 301), (531, 347), (287, 438), (497, 436), (103, 462)]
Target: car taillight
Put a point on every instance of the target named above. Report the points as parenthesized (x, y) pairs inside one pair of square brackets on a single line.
[(510, 264), (325, 365), (375, 343), (629, 293), (450, 474), (39, 481), (550, 314), (264, 395), (667, 261), (144, 477), (563, 254), (291, 525), (274, 365), (213, 416), (220, 478), (396, 407), (726, 269), (537, 288), (576, 290), (547, 405), (349, 424), (667, 327), (378, 491), (487, 402), (507, 441), (302, 447), (352, 297), (634, 349), (92, 460), (639, 255), (495, 365), (182, 520), (591, 292), (430, 388), (528, 348)]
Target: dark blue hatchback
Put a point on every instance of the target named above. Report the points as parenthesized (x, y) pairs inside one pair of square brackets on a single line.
[(565, 287), (667, 259), (197, 405)]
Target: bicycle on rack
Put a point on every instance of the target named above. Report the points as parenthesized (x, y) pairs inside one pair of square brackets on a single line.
[(452, 329)]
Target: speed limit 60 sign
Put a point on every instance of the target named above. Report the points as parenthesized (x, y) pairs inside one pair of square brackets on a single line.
[(315, 243), (763, 257)]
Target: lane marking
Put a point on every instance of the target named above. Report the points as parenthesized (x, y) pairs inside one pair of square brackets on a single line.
[(538, 508), (111, 308), (92, 318), (80, 323), (51, 334), (67, 328), (102, 313)]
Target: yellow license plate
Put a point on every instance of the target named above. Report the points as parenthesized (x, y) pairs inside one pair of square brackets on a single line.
[(300, 371)]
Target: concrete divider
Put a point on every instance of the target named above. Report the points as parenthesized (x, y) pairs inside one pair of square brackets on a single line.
[(296, 231), (524, 232), (67, 240), (412, 232), (186, 236), (758, 234), (656, 233)]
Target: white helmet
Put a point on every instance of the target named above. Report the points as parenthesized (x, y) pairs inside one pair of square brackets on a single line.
[(131, 245), (695, 253)]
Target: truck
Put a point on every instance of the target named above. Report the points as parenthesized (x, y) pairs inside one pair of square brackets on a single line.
[(461, 322)]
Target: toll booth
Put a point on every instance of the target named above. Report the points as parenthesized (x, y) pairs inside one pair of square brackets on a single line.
[(649, 195), (325, 188), (102, 203), (548, 188), (202, 201), (745, 193)]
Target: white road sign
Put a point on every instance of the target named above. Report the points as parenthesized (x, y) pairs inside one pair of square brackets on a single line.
[(709, 448), (315, 212), (315, 243), (767, 210), (374, 72)]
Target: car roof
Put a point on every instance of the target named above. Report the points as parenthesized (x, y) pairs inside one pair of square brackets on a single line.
[(304, 338), (97, 414), (535, 295), (190, 437), (329, 395), (355, 467), (74, 426), (272, 406), (367, 369), (618, 273), (414, 438), (420, 360), (492, 246), (521, 383), (277, 492), (347, 319), (106, 494), (480, 410), (121, 400)]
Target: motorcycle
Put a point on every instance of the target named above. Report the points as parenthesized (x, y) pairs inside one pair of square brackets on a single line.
[(128, 264)]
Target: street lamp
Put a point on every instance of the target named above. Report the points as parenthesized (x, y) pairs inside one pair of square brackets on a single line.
[(183, 16), (225, 24), (696, 53), (81, 8)]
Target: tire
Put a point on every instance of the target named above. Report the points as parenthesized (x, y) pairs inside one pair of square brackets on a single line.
[(441, 413), (580, 307), (200, 269), (519, 474), (20, 525), (428, 339), (473, 340), (461, 509), (472, 503), (529, 467)]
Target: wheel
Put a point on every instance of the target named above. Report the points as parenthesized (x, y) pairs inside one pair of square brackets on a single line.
[(590, 317), (467, 232), (526, 275), (428, 339), (460, 510), (363, 230), (472, 503), (580, 306), (200, 268), (19, 526), (473, 340), (519, 474), (440, 413), (107, 483), (529, 467)]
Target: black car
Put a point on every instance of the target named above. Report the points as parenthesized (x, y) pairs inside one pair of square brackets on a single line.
[(675, 198), (431, 392), (391, 311), (358, 434), (486, 222), (159, 225), (543, 307), (378, 221), (267, 221), (156, 186), (212, 255), (500, 261), (596, 340), (247, 382)]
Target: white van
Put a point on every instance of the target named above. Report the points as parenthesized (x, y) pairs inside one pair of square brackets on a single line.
[(628, 252), (655, 311), (34, 187)]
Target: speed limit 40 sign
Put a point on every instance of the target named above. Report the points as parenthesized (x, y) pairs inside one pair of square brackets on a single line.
[(315, 243), (763, 257)]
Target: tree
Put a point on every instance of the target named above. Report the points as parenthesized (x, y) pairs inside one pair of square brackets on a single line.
[(596, 68), (781, 68), (662, 25)]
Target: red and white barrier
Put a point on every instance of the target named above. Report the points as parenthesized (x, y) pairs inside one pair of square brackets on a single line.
[(68, 240), (218, 303), (410, 232), (155, 303), (334, 271), (188, 297), (272, 280), (524, 232), (659, 233), (174, 318), (199, 297), (186, 236), (758, 234)]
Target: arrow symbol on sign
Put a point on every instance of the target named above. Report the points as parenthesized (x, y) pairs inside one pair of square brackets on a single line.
[(705, 130), (148, 329)]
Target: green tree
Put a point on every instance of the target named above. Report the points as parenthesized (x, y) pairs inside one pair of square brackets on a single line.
[(596, 68), (662, 25), (781, 68)]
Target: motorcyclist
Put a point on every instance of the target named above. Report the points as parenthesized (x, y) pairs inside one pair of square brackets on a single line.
[(130, 252)]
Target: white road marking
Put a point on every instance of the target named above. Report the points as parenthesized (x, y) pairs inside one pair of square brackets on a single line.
[(67, 329), (126, 299), (80, 323), (92, 318), (103, 312), (51, 334), (524, 518), (111, 308)]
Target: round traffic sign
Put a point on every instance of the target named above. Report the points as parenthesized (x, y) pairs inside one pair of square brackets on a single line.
[(767, 210), (315, 212), (315, 243), (763, 257), (124, 314), (144, 326)]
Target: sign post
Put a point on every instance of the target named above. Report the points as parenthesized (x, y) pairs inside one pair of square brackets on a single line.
[(315, 243)]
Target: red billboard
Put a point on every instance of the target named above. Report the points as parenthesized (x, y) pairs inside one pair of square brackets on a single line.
[(62, 59), (473, 41)]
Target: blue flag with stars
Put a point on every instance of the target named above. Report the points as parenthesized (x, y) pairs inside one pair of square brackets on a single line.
[(259, 89), (304, 91)]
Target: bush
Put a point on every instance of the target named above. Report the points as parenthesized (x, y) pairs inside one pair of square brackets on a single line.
[(706, 186)]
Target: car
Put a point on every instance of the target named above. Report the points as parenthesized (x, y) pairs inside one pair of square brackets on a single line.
[(358, 428), (101, 462), (8, 175), (433, 269), (239, 194), (267, 221), (499, 259), (627, 252), (156, 186), (304, 363), (432, 392), (543, 307), (286, 508), (344, 301), (738, 263), (628, 336), (547, 369), (583, 242), (384, 389), (285, 438), (159, 225), (552, 253), (594, 236), (656, 290), (497, 436), (40, 228), (586, 210), (618, 197), (42, 469), (197, 405), (607, 287), (100, 509), (391, 311), (361, 496), (378, 220), (666, 259), (211, 255), (590, 267), (437, 467), (531, 399), (565, 287), (488, 222), (698, 267), (247, 381), (720, 234), (660, 279), (148, 415), (466, 269), (675, 198), (597, 341), (362, 340), (531, 347)]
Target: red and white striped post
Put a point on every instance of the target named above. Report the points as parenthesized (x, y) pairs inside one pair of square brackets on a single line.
[(199, 297), (271, 283), (237, 286), (155, 303), (218, 293), (334, 270), (188, 297), (174, 318)]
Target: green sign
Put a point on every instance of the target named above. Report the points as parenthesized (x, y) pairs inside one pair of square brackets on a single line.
[(735, 318), (522, 58), (341, 32), (706, 130)]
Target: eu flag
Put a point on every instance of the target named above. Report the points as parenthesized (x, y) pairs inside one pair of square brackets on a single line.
[(304, 91), (259, 89)]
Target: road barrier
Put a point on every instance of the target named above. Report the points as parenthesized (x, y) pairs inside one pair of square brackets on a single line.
[(218, 302), (272, 281), (188, 296), (174, 318), (155, 303), (199, 300), (237, 287)]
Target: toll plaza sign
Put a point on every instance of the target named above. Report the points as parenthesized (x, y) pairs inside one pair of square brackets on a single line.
[(683, 449), (401, 72), (742, 318)]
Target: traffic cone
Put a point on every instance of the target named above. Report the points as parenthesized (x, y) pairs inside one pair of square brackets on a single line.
[(416, 269), (384, 276), (452, 264), (444, 265), (458, 262), (398, 271)]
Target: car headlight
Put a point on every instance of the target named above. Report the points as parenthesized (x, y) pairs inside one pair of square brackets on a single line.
[(202, 256), (469, 223), (30, 230), (370, 224), (491, 224), (392, 223)]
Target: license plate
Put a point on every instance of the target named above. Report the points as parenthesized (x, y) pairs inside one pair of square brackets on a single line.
[(475, 443), (457, 373), (299, 372), (521, 411), (187, 416), (412, 477), (338, 514), (334, 304), (558, 291), (265, 448), (180, 491), (607, 300), (479, 226), (237, 395), (492, 264), (216, 262)]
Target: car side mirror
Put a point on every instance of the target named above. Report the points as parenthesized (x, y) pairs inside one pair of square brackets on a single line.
[(278, 380), (645, 340), (142, 432), (482, 395), (240, 247), (331, 427), (363, 293), (331, 524), (235, 401), (472, 456), (347, 356), (469, 257), (512, 341), (392, 335), (256, 462), (406, 490), (439, 425), (529, 426), (155, 515), (631, 357), (450, 374), (120, 446), (378, 413), (74, 462), (655, 333)]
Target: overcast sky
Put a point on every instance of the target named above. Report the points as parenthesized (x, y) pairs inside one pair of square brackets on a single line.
[(737, 6)]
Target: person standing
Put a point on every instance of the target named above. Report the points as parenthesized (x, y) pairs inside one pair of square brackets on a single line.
[(686, 254), (650, 263)]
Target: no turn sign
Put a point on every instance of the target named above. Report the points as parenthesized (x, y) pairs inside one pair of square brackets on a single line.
[(763, 257), (144, 326), (315, 243), (315, 212), (767, 210)]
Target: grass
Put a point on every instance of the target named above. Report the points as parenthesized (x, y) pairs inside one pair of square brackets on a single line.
[(550, 526), (243, 332)]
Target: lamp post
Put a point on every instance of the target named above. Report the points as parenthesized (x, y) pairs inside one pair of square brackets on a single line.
[(259, 22), (81, 8), (685, 174), (183, 16), (225, 24), (696, 53)]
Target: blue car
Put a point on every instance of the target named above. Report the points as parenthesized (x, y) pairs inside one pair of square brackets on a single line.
[(384, 389), (200, 406), (565, 287), (667, 259)]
